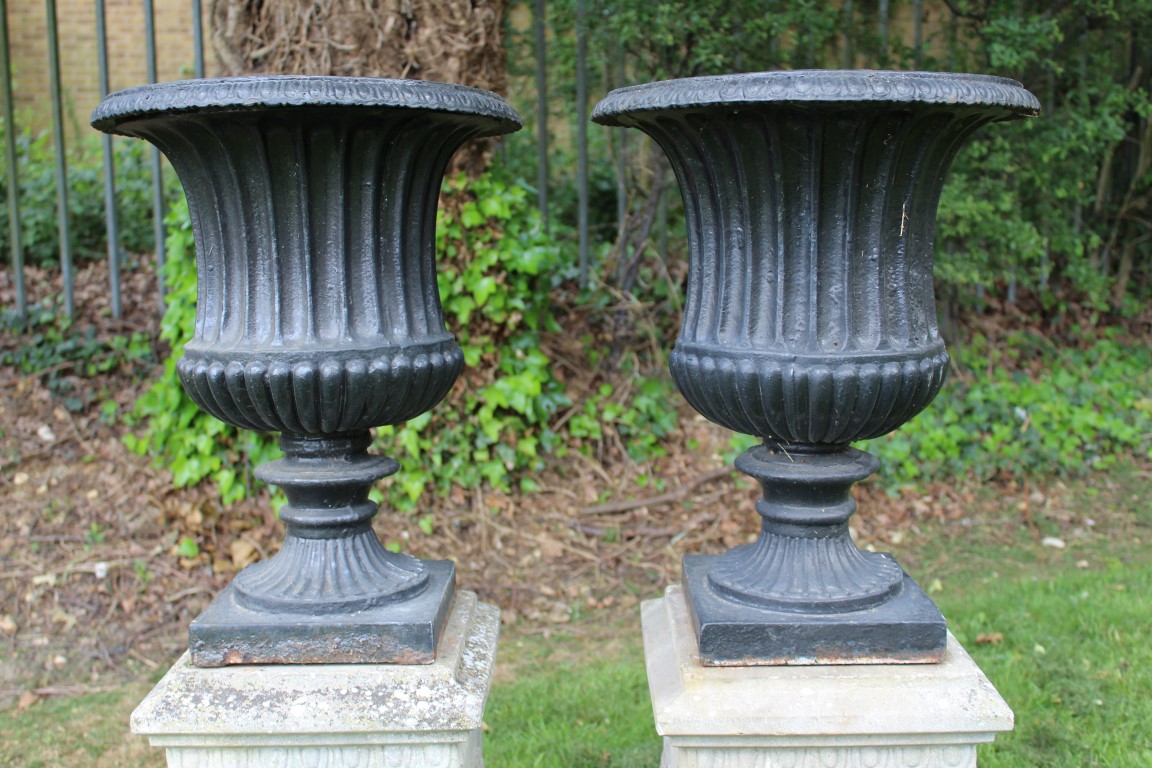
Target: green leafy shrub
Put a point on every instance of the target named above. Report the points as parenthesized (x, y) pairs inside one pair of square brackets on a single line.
[(496, 267), (192, 444), (641, 415), (39, 232), (46, 343), (497, 270), (1077, 410)]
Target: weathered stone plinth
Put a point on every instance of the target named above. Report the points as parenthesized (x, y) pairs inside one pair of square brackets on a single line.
[(857, 716), (347, 715)]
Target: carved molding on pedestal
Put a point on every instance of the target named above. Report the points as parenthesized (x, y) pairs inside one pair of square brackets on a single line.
[(825, 757), (414, 756)]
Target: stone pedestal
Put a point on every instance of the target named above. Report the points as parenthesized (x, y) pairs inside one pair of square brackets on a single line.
[(347, 715), (859, 716)]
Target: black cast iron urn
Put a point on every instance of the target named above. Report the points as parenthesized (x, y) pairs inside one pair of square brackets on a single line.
[(313, 204), (810, 322)]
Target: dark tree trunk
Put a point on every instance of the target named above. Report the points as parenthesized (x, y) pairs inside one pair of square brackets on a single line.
[(452, 41)]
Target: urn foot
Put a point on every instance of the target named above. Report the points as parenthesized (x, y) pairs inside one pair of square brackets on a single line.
[(333, 593), (907, 628), (405, 632), (802, 593), (804, 560)]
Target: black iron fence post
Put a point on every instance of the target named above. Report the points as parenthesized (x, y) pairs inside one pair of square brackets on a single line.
[(61, 158), (540, 37), (111, 221), (17, 251), (582, 139), (198, 38), (157, 160)]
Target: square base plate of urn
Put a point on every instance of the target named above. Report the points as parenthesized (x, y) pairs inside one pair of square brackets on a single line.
[(906, 629), (405, 632)]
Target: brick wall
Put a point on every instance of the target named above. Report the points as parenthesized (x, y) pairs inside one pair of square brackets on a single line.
[(127, 62)]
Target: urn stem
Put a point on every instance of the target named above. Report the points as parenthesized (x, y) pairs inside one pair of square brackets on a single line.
[(331, 561), (804, 559)]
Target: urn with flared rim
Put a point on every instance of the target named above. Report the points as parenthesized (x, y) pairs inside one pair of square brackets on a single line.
[(313, 206), (810, 202)]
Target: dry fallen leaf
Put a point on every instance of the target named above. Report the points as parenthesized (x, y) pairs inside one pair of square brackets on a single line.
[(60, 616), (27, 699), (8, 625), (550, 548), (193, 516), (990, 638), (243, 553)]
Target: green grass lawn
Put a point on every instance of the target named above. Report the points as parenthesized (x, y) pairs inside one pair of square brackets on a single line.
[(75, 731), (577, 714), (1075, 664), (1064, 634)]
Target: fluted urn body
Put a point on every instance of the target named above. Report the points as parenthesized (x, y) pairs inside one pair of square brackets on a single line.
[(810, 200), (313, 205)]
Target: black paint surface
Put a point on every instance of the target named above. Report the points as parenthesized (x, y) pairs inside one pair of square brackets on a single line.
[(313, 205), (810, 322)]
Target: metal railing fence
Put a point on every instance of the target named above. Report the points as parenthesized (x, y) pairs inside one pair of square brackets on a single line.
[(602, 75), (13, 175), (60, 148)]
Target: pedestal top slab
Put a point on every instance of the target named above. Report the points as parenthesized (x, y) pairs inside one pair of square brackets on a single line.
[(688, 698), (447, 695)]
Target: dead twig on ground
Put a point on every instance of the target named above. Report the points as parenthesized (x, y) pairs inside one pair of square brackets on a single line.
[(677, 494)]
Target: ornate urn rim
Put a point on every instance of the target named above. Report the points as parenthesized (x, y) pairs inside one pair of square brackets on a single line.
[(819, 86), (237, 94)]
